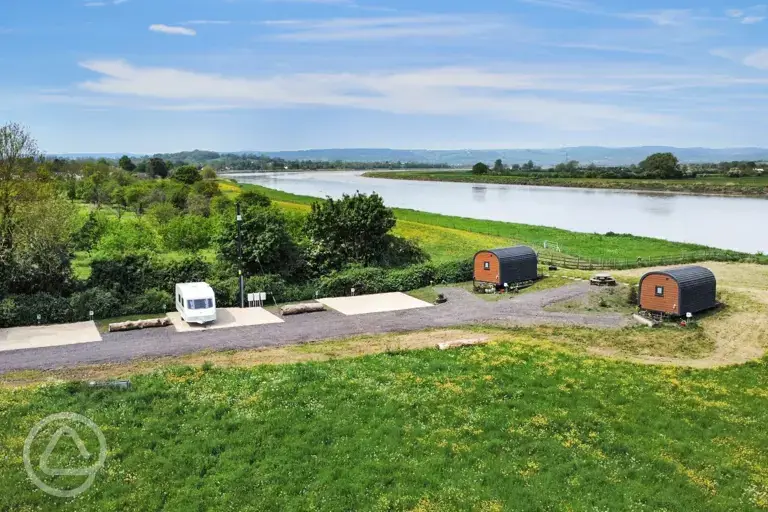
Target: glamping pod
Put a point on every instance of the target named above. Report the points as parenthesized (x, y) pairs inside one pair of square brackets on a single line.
[(510, 265), (678, 291), (196, 303)]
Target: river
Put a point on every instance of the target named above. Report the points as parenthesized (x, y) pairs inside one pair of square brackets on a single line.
[(724, 222)]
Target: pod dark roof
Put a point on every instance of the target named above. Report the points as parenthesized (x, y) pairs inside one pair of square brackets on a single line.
[(687, 276), (514, 253)]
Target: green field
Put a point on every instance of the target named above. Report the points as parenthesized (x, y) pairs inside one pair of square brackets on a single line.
[(521, 424), (719, 185)]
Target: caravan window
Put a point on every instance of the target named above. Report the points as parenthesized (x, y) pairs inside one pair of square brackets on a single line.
[(200, 304)]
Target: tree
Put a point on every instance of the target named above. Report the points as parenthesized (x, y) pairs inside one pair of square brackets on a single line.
[(498, 167), (42, 246), (156, 167), (163, 213), (126, 164), (529, 166), (353, 229), (119, 201), (128, 236), (188, 174), (90, 233), (221, 205), (208, 173), (17, 153), (480, 168), (207, 188), (253, 198), (663, 165), (187, 233), (198, 204), (267, 245)]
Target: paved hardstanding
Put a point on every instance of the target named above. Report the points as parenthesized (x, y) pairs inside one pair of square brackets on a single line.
[(462, 308)]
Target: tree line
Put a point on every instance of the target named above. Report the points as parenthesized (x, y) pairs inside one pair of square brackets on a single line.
[(655, 166), (168, 223)]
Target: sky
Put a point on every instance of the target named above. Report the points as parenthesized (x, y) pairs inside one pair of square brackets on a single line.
[(146, 76)]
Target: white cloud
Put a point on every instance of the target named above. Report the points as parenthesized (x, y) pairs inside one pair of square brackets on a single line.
[(167, 29), (442, 91), (345, 29), (662, 17), (757, 59), (207, 22), (749, 20), (104, 3)]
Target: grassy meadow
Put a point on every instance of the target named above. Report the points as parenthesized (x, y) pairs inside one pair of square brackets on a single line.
[(520, 424), (716, 185)]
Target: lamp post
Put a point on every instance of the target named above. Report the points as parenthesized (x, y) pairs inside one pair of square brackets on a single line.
[(239, 220)]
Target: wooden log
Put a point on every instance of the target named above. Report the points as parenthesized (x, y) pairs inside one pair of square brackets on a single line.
[(139, 324), (462, 343), (298, 309)]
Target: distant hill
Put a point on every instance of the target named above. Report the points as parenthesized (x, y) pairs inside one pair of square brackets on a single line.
[(544, 157)]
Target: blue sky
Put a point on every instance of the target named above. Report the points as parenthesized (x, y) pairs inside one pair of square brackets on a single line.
[(169, 75)]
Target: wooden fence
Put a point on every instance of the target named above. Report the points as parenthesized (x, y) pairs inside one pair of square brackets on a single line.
[(575, 262)]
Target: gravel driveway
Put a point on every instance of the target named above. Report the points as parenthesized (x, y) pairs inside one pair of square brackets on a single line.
[(462, 308)]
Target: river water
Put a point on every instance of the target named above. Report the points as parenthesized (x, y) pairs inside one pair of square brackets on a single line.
[(725, 222)]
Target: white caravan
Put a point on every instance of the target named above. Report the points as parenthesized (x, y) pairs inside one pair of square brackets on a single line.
[(196, 303)]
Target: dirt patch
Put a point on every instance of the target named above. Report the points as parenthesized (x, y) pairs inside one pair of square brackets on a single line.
[(323, 351), (598, 300)]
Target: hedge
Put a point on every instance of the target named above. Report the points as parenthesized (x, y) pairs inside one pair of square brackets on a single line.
[(141, 284), (20, 310)]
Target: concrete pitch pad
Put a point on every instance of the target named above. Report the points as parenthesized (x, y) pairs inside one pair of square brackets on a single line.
[(39, 336), (378, 303), (227, 318)]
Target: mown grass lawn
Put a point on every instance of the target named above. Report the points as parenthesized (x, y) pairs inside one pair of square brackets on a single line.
[(513, 425)]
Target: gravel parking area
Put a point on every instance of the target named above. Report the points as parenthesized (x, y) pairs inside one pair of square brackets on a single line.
[(462, 308)]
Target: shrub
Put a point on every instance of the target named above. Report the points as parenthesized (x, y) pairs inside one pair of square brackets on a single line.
[(188, 270), (127, 236), (188, 174), (187, 233), (126, 274), (362, 279), (151, 301), (103, 303), (632, 296), (162, 213), (227, 291), (410, 278), (454, 271), (253, 198)]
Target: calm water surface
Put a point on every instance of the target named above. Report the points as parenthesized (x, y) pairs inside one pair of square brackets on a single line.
[(725, 222)]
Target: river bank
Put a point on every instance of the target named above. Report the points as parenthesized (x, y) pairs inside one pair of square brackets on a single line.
[(447, 237), (711, 186)]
